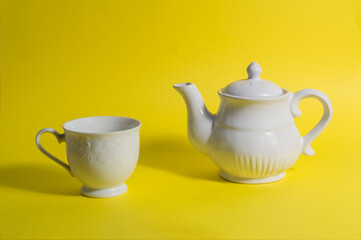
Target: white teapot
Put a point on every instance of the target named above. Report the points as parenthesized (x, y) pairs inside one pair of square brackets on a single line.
[(253, 137)]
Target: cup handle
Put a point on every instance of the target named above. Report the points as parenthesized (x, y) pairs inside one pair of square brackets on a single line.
[(321, 125), (60, 138)]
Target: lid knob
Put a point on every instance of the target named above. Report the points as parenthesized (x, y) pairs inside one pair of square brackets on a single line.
[(254, 70)]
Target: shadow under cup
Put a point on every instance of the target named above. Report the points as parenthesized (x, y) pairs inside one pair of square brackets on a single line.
[(102, 152)]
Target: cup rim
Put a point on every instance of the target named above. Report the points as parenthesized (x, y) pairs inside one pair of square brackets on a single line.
[(98, 133)]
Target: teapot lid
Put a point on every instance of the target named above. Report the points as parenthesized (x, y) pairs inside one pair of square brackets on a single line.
[(253, 86)]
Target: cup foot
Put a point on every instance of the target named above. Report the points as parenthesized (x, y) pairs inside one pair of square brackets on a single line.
[(231, 178), (104, 193)]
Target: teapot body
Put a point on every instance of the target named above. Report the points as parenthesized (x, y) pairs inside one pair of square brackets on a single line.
[(254, 140), (253, 137)]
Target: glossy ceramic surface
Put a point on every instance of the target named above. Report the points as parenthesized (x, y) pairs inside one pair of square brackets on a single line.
[(252, 138), (102, 152)]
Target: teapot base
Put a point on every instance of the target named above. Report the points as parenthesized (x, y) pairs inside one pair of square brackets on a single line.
[(104, 193), (231, 178)]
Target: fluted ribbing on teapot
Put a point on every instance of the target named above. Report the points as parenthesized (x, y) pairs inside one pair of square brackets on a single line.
[(255, 165), (200, 120)]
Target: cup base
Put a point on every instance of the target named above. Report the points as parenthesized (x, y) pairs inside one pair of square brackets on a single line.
[(231, 178), (104, 193)]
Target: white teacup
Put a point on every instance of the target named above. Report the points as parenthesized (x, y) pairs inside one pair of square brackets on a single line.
[(102, 152)]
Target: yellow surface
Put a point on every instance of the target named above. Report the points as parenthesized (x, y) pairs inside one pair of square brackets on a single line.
[(62, 60)]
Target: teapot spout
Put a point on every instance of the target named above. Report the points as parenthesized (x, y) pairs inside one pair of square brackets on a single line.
[(200, 120)]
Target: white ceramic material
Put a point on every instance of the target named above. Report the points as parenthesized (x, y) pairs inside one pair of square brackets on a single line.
[(253, 137), (102, 152)]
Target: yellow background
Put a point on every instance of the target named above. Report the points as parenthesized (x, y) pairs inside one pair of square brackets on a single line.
[(62, 60)]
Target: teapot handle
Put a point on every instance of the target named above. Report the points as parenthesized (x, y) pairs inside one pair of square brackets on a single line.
[(321, 125)]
